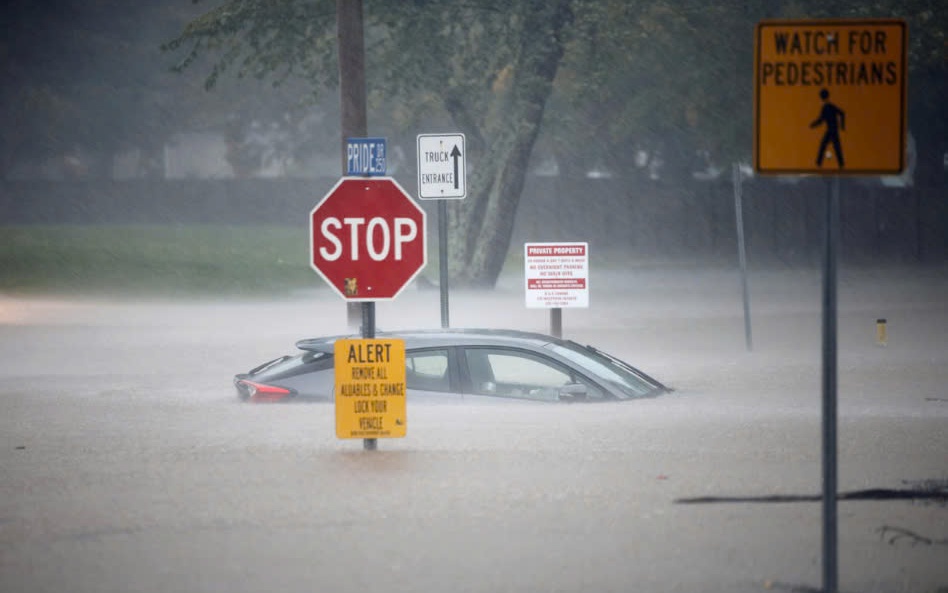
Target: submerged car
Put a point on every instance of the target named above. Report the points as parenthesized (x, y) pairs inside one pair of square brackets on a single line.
[(458, 365)]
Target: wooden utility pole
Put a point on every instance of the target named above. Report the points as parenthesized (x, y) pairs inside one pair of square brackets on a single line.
[(351, 49)]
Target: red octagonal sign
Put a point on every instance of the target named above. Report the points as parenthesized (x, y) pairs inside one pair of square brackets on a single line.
[(367, 238)]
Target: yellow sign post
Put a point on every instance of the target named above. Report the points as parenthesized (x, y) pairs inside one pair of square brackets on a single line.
[(830, 97), (370, 388)]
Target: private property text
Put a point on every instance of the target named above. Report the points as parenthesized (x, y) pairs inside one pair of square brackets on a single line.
[(533, 250)]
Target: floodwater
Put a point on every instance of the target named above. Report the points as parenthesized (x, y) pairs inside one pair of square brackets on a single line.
[(127, 464)]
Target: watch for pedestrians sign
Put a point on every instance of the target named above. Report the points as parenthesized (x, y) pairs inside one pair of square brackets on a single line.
[(442, 173), (830, 97)]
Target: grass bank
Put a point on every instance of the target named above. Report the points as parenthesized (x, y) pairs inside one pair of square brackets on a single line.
[(212, 260), (155, 260)]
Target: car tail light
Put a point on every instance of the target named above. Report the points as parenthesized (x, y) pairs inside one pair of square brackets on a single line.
[(260, 392)]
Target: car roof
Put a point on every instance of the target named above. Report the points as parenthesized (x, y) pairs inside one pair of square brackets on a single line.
[(423, 338)]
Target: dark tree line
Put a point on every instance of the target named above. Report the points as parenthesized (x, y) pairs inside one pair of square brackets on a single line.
[(618, 85)]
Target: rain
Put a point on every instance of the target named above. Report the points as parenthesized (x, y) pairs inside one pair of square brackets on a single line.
[(156, 242)]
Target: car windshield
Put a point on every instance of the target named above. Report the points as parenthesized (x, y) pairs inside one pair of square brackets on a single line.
[(625, 378)]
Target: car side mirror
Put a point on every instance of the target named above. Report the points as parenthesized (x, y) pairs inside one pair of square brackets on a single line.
[(573, 392)]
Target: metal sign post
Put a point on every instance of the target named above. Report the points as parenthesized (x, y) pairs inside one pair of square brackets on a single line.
[(742, 253), (443, 261), (368, 331), (556, 322), (830, 243)]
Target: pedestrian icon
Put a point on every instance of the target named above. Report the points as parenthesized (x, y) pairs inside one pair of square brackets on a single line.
[(834, 119)]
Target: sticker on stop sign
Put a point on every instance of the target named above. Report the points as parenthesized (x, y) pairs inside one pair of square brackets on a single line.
[(367, 238)]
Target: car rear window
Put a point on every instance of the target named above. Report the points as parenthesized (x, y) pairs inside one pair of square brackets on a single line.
[(282, 367)]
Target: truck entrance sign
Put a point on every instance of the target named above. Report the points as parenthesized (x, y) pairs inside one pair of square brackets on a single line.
[(367, 238), (830, 97), (442, 172), (370, 388), (556, 275)]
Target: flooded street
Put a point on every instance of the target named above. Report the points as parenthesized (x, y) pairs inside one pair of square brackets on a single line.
[(127, 463)]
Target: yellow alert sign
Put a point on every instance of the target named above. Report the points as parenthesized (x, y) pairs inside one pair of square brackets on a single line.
[(370, 388), (830, 97)]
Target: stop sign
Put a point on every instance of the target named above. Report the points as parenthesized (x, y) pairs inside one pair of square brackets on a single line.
[(367, 238)]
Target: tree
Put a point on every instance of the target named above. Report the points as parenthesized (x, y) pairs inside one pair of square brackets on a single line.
[(660, 80), (81, 75), (601, 78), (487, 66), (493, 74)]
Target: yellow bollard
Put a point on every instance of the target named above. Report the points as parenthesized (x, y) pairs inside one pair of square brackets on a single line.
[(882, 337)]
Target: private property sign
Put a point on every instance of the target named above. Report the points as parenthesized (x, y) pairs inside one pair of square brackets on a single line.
[(830, 97), (556, 275)]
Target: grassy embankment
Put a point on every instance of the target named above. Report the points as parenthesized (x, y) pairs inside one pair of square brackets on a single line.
[(191, 260), (174, 260)]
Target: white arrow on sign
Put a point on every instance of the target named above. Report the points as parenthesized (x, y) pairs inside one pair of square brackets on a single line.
[(442, 173)]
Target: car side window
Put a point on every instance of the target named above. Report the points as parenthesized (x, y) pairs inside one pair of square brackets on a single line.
[(518, 374), (427, 370)]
